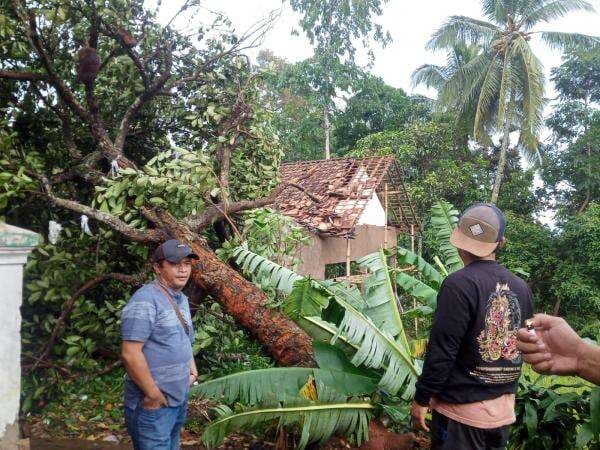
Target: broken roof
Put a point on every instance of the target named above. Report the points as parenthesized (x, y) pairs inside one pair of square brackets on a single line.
[(343, 187)]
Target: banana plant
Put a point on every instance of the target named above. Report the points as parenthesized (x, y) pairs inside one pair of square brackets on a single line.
[(360, 346), (360, 343), (334, 398)]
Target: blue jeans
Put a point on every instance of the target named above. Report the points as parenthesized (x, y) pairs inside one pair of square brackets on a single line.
[(155, 429)]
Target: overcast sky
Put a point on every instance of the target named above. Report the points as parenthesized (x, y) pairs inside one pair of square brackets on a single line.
[(410, 24)]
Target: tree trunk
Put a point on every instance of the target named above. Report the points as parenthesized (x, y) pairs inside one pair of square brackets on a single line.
[(588, 194), (502, 159), (327, 127), (285, 341)]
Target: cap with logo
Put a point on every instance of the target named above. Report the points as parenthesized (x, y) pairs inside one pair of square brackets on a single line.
[(173, 251), (480, 228)]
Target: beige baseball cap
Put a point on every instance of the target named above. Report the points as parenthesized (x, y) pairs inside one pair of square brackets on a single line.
[(480, 228)]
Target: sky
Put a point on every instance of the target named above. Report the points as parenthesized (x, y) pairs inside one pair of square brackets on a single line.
[(410, 24)]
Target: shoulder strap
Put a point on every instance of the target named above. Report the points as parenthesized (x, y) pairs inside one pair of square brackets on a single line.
[(173, 303)]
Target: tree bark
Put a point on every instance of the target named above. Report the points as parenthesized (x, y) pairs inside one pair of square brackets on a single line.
[(280, 336), (502, 159), (327, 127)]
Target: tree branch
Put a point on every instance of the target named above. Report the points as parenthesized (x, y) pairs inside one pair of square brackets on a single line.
[(142, 236), (219, 212), (70, 304), (140, 101), (34, 39), (23, 76), (107, 30)]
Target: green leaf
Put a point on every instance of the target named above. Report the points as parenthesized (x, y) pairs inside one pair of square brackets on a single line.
[(381, 298), (584, 436), (320, 420), (431, 275), (305, 300), (530, 418), (444, 218), (340, 374), (595, 411), (417, 289)]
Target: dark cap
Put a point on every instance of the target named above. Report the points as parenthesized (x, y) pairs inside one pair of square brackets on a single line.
[(173, 251), (480, 228)]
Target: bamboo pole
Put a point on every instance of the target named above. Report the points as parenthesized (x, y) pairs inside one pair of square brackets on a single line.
[(385, 228), (412, 249), (348, 261)]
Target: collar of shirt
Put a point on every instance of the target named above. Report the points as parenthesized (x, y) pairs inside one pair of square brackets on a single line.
[(177, 295)]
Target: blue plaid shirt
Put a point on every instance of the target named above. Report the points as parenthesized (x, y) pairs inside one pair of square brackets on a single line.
[(149, 317)]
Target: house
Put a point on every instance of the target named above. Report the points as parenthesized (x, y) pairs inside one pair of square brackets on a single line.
[(351, 207)]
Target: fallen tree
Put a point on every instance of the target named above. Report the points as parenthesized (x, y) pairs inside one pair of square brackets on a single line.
[(132, 89)]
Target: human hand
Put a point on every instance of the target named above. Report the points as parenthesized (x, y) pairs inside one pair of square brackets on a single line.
[(418, 413), (155, 401), (193, 377), (555, 348)]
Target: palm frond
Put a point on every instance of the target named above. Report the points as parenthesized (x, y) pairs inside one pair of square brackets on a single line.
[(532, 93), (380, 296), (322, 331), (255, 387), (496, 10), (566, 41), (463, 87), (349, 293), (319, 420), (444, 218), (548, 11), (426, 270), (265, 270), (487, 94), (465, 29), (429, 75)]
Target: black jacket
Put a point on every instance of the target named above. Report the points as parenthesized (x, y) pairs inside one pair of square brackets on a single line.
[(472, 355)]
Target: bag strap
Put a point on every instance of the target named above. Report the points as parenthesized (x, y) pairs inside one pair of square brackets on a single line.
[(184, 324)]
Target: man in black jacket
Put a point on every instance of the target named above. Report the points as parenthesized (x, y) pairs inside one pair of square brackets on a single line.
[(472, 367)]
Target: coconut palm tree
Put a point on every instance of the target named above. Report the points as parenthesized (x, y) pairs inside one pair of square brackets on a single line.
[(435, 77), (503, 85)]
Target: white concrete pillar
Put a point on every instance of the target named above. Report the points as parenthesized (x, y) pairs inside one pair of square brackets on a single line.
[(15, 246)]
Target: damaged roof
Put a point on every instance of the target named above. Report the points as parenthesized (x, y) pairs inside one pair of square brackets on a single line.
[(343, 187)]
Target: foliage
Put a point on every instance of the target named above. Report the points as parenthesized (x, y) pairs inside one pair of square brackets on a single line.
[(274, 236), (344, 323), (374, 107), (552, 414), (78, 407), (576, 281), (175, 140), (370, 329), (575, 123), (530, 249), (434, 162)]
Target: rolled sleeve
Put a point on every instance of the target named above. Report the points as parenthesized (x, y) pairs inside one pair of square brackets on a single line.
[(137, 320)]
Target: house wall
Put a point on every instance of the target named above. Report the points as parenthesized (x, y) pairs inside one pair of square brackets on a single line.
[(373, 214), (330, 250)]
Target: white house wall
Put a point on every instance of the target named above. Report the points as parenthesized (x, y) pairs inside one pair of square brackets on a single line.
[(373, 214)]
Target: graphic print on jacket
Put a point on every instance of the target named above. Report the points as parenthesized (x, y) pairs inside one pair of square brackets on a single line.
[(498, 339)]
